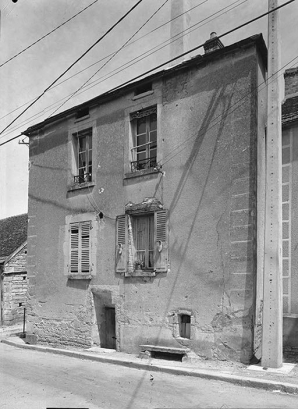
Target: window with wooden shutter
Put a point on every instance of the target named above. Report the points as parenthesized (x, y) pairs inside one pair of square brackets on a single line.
[(161, 241), (121, 256), (80, 248)]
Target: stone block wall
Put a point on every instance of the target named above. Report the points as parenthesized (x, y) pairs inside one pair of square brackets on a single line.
[(14, 297), (14, 288)]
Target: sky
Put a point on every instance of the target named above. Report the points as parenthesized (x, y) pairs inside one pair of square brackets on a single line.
[(26, 76)]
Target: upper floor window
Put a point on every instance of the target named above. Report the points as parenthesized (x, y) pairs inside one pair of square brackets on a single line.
[(144, 129), (83, 148)]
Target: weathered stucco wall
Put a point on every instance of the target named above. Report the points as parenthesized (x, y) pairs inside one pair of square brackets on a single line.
[(14, 288), (207, 147)]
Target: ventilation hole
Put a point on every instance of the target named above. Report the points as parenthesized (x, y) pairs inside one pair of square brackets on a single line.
[(20, 304), (144, 88), (100, 214), (82, 112)]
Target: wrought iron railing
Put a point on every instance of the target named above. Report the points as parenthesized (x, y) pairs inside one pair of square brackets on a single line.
[(86, 177), (141, 164)]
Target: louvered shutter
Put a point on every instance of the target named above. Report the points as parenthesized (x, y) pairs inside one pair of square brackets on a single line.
[(85, 252), (74, 248), (121, 256), (161, 241)]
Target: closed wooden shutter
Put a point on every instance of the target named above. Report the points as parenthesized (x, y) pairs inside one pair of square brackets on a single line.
[(85, 247), (121, 256), (74, 248), (161, 241), (80, 248)]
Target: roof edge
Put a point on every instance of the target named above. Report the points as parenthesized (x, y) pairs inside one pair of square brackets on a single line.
[(119, 90)]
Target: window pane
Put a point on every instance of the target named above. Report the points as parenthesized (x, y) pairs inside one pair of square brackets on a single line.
[(141, 155), (82, 144), (153, 153), (90, 142), (141, 125), (153, 122), (141, 139), (82, 159), (153, 136)]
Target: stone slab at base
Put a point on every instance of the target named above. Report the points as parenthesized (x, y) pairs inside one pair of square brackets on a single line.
[(285, 369), (31, 339)]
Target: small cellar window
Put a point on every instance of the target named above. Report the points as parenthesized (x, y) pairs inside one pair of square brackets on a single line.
[(184, 326)]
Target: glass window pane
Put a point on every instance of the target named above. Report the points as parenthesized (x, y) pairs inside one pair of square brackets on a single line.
[(82, 144), (90, 142), (153, 122), (141, 155), (141, 139), (82, 159), (141, 125), (153, 136), (153, 153)]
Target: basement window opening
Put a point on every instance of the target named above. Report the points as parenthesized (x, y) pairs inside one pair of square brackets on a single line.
[(169, 356), (184, 326)]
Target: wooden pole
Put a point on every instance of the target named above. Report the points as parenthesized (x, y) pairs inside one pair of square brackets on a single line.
[(272, 312)]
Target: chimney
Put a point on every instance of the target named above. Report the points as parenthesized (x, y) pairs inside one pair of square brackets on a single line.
[(213, 43), (180, 22), (291, 82)]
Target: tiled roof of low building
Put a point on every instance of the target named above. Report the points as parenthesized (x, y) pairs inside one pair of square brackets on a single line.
[(13, 233), (290, 110)]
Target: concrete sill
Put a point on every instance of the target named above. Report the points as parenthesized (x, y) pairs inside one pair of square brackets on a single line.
[(144, 94), (79, 276), (140, 173), (141, 273), (81, 186)]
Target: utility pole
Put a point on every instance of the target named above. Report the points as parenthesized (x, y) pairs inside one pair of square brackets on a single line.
[(272, 312)]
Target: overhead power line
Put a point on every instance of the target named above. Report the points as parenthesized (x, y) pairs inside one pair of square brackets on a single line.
[(135, 59), (46, 35), (109, 55), (113, 55), (75, 62), (197, 47), (181, 55)]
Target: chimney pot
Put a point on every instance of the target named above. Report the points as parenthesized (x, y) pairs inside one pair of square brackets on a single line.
[(213, 43)]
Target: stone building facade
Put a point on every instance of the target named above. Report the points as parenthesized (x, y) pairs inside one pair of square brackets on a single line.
[(143, 211), (13, 269), (289, 206)]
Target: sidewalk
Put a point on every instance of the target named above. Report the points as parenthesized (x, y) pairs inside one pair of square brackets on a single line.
[(284, 379)]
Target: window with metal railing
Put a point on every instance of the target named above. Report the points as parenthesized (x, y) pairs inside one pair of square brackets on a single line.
[(83, 142), (144, 150)]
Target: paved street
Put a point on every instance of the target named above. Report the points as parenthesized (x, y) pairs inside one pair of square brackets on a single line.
[(32, 379)]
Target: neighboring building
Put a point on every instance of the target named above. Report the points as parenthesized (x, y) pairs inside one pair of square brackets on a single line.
[(289, 207), (13, 269), (143, 210)]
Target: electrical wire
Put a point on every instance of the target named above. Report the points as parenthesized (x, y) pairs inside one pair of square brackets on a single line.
[(109, 55), (75, 62), (237, 105), (114, 55), (46, 35), (134, 60), (173, 59)]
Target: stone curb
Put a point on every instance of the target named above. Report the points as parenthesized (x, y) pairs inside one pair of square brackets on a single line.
[(200, 373)]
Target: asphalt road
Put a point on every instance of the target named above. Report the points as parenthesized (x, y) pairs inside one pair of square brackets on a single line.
[(38, 380)]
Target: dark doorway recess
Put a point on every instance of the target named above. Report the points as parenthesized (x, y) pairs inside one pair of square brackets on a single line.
[(110, 328)]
